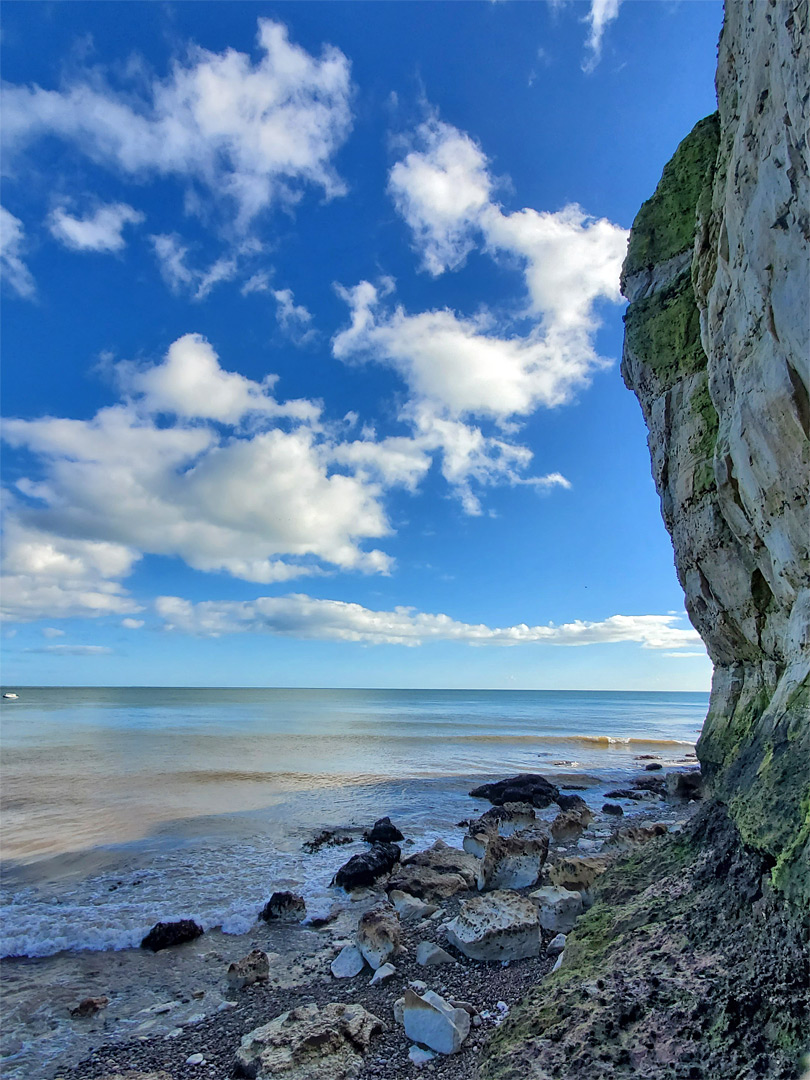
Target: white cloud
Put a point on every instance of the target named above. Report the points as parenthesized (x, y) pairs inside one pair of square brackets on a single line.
[(172, 258), (601, 13), (294, 319), (73, 650), (253, 133), (52, 632), (100, 231), (257, 283), (12, 246), (132, 624), (302, 616)]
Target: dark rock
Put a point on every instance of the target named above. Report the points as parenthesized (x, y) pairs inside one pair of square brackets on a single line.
[(612, 808), (285, 906), (657, 784), (364, 869), (383, 832), (90, 1006), (654, 766), (571, 802), (526, 787), (326, 838), (685, 785), (624, 793), (165, 934)]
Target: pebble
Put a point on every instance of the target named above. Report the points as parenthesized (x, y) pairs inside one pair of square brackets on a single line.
[(420, 1057), (195, 1059)]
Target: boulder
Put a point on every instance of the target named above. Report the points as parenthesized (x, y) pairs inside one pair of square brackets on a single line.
[(569, 825), (656, 785), (499, 820), (446, 860), (309, 1043), (557, 908), (421, 881), (579, 872), (285, 907), (253, 968), (685, 785), (513, 862), (383, 832), (524, 788), (572, 802), (496, 926), (378, 934), (475, 844), (654, 766), (89, 1006), (433, 1022), (164, 935), (430, 955), (364, 869), (410, 908), (612, 808), (348, 963)]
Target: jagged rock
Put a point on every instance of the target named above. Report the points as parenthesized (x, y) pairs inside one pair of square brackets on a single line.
[(579, 872), (430, 955), (685, 785), (446, 859), (499, 820), (496, 926), (525, 788), (656, 785), (612, 808), (513, 862), (89, 1006), (378, 934), (383, 832), (433, 1022), (326, 838), (164, 935), (284, 906), (364, 869), (309, 1043), (385, 971), (253, 968), (556, 945), (570, 825), (348, 963), (557, 908), (421, 881), (636, 835), (410, 908)]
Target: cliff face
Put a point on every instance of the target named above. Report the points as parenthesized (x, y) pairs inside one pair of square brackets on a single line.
[(717, 349)]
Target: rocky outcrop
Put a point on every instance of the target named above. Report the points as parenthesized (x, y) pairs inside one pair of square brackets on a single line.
[(164, 935), (716, 349)]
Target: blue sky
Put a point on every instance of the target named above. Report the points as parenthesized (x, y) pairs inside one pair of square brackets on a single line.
[(311, 331)]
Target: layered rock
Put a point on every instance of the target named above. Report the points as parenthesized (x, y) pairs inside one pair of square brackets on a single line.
[(716, 349)]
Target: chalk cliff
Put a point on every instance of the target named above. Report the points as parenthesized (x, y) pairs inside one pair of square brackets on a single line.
[(717, 349)]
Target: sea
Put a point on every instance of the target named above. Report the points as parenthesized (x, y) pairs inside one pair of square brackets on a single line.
[(124, 806)]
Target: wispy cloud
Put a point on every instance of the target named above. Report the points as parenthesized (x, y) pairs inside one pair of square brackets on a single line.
[(600, 15), (73, 650), (100, 231), (12, 248)]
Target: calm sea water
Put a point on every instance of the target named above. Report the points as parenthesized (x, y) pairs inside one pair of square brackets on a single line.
[(121, 806)]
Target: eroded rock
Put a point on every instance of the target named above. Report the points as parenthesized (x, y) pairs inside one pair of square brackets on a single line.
[(498, 926), (524, 788), (579, 872), (378, 934), (433, 1022), (253, 968), (557, 908), (364, 869), (513, 862), (284, 907)]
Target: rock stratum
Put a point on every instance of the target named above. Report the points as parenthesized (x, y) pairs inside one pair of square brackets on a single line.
[(694, 961)]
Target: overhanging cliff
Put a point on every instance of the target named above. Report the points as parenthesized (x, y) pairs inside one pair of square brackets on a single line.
[(717, 350)]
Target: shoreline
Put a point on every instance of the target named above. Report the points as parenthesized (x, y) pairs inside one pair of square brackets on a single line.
[(137, 983)]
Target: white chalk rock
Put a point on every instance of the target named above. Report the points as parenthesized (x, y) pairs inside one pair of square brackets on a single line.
[(347, 963), (433, 1022), (382, 973), (497, 926), (430, 955), (378, 935), (556, 945), (557, 908)]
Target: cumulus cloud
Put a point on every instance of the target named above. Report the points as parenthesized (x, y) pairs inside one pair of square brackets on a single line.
[(12, 247), (100, 231), (255, 133), (601, 13), (302, 616)]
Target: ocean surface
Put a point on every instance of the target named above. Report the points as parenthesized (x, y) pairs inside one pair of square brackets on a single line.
[(122, 806)]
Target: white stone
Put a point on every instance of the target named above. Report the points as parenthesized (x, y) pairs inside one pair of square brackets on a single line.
[(556, 945), (410, 908), (433, 1022), (348, 963), (430, 955), (557, 908), (195, 1059), (382, 973), (420, 1057)]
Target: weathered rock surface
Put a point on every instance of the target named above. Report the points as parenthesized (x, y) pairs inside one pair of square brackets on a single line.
[(570, 824), (253, 968), (436, 873), (164, 935), (378, 934), (557, 909), (513, 862), (364, 869), (496, 926), (716, 348), (309, 1043), (446, 859), (285, 907), (579, 872), (525, 788), (685, 785), (433, 1022)]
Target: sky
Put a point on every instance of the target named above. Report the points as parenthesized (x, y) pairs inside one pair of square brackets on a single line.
[(311, 341)]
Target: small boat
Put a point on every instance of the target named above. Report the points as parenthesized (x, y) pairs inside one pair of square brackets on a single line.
[(13, 697)]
